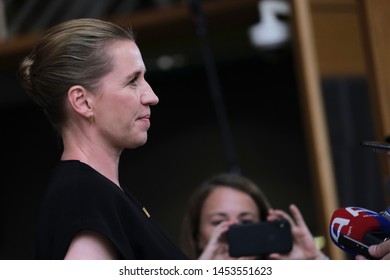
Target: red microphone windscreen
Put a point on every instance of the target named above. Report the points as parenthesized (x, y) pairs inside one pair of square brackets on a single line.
[(354, 222)]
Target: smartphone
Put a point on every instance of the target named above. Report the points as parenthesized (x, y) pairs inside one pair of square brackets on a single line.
[(377, 146), (259, 239)]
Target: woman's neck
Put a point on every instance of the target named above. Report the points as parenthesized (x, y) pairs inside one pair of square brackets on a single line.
[(99, 157)]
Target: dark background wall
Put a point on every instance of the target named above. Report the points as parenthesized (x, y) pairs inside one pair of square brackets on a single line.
[(349, 119)]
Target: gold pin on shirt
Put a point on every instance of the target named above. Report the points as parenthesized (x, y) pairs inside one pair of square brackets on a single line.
[(146, 212)]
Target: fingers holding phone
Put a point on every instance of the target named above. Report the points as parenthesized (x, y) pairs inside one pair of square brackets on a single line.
[(303, 242), (216, 247)]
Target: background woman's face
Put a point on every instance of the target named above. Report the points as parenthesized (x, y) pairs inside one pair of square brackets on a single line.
[(225, 204)]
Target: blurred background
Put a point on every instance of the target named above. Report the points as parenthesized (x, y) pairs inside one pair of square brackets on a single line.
[(260, 130)]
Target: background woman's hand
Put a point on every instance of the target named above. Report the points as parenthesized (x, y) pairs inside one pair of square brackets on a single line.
[(217, 248), (304, 247)]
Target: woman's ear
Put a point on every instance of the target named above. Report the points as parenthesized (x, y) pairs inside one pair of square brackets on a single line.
[(79, 99)]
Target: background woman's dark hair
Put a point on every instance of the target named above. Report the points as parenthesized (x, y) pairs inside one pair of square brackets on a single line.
[(68, 54), (191, 221)]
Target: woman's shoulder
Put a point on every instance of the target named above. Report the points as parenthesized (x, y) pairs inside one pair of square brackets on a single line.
[(76, 181)]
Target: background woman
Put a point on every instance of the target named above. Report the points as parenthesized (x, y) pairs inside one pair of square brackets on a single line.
[(228, 199)]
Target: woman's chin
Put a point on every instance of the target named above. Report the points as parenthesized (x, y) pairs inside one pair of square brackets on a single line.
[(135, 143)]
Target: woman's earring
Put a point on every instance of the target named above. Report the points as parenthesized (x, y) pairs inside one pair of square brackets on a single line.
[(91, 119)]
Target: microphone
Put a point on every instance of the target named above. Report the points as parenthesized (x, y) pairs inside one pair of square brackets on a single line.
[(354, 229)]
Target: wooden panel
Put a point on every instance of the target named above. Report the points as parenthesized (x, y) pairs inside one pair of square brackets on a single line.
[(337, 34), (376, 22), (315, 121)]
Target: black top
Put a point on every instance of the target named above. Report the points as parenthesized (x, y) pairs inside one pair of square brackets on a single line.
[(79, 198)]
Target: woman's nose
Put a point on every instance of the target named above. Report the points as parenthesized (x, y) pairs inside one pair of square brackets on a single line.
[(233, 221), (149, 97)]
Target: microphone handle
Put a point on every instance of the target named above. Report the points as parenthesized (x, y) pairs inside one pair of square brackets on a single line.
[(355, 246), (361, 248)]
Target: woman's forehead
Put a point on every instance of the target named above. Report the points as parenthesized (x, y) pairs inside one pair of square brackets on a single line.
[(225, 199)]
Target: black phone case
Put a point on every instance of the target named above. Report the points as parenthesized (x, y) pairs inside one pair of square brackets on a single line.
[(259, 238)]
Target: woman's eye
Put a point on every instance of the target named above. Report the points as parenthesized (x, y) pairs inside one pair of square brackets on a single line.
[(133, 82), (215, 223)]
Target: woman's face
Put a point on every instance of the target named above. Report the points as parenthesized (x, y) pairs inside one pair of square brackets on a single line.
[(225, 204), (122, 107)]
